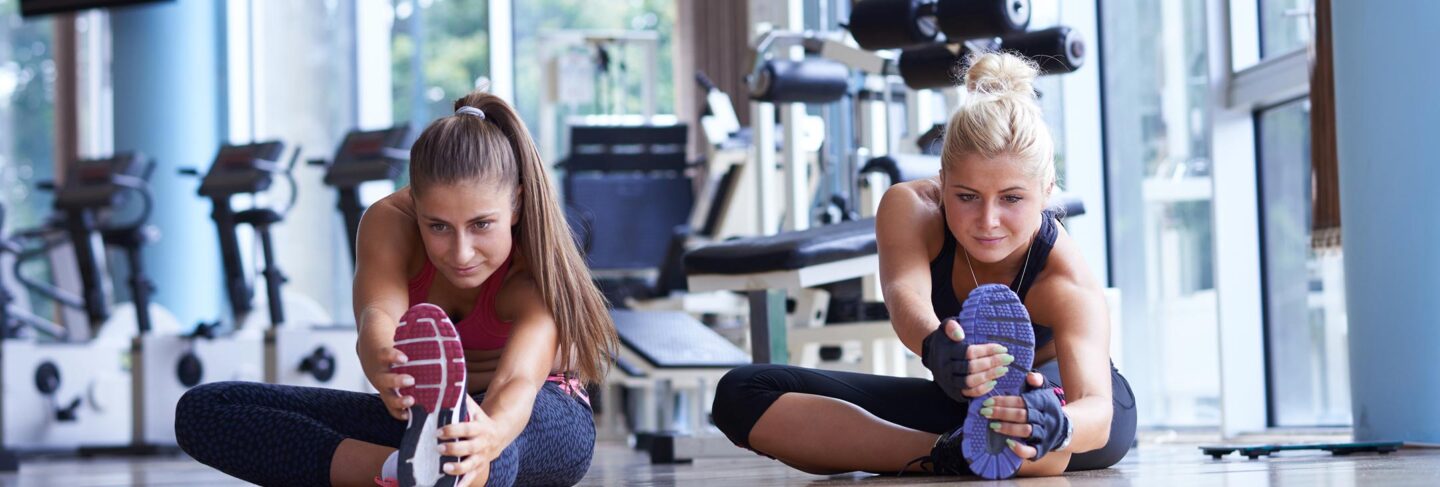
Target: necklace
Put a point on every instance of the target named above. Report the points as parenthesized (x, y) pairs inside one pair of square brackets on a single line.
[(1025, 268)]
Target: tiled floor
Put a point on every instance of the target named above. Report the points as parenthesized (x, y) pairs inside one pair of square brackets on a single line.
[(1172, 462)]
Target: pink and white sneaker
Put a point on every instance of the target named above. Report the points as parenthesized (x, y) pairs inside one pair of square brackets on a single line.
[(437, 362), (388, 473)]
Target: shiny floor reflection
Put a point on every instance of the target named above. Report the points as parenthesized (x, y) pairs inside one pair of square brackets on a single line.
[(1170, 465)]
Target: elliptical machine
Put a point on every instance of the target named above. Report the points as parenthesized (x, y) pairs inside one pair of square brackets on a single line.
[(301, 341), (82, 393)]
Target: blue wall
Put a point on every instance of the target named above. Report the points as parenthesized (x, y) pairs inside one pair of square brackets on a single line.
[(1388, 114), (169, 83)]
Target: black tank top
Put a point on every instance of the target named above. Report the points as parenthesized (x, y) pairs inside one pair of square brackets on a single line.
[(942, 293)]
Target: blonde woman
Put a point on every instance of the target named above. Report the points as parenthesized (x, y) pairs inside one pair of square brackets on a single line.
[(478, 323), (945, 241)]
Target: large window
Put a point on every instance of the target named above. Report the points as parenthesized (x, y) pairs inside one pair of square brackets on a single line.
[(308, 102), (1305, 322), (27, 115), (440, 50), (1157, 143)]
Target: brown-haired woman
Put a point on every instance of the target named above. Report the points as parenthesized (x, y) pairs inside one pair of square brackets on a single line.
[(473, 263)]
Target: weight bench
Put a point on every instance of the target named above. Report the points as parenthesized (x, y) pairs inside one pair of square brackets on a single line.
[(664, 349), (768, 268), (663, 353)]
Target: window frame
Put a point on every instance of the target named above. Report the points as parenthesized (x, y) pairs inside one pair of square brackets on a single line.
[(1273, 417), (1246, 85)]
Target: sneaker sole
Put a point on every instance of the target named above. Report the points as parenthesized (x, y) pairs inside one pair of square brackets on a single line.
[(437, 362), (994, 314)]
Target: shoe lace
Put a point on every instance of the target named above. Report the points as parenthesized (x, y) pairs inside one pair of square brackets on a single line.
[(925, 462), (945, 458)]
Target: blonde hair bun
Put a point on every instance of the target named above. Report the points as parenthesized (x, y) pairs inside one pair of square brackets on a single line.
[(1001, 74), (1001, 116)]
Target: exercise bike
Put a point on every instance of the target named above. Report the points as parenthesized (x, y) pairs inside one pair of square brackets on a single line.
[(302, 345), (364, 156), (69, 387)]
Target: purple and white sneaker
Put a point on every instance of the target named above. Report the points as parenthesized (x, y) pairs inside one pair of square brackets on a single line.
[(994, 314)]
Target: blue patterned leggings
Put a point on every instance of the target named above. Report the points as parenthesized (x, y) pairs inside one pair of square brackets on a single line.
[(276, 435)]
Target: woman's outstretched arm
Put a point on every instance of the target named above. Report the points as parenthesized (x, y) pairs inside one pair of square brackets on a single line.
[(1073, 302), (387, 238), (901, 223)]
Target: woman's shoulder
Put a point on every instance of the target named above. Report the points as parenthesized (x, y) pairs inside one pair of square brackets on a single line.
[(393, 214), (398, 204), (518, 290), (910, 213), (910, 202), (390, 224), (1065, 283), (919, 196)]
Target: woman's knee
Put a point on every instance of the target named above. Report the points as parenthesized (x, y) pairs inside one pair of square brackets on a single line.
[(1105, 457), (581, 467), (210, 395), (742, 395), (734, 387), (198, 409), (199, 399), (194, 410), (1122, 438), (748, 380)]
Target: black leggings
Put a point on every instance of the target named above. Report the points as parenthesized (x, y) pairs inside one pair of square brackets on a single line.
[(286, 435), (745, 393)]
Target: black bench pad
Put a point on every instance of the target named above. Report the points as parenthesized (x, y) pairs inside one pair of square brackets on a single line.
[(785, 251)]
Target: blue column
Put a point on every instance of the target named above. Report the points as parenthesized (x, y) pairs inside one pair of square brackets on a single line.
[(168, 70), (1387, 119)]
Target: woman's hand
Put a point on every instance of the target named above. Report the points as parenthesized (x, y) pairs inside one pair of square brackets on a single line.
[(1009, 416), (988, 363), (477, 443), (942, 353), (969, 371), (376, 359)]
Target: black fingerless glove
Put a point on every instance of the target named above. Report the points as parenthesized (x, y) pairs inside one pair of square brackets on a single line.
[(1050, 428), (946, 360)]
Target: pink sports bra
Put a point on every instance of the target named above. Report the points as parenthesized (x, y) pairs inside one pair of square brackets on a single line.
[(481, 329)]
